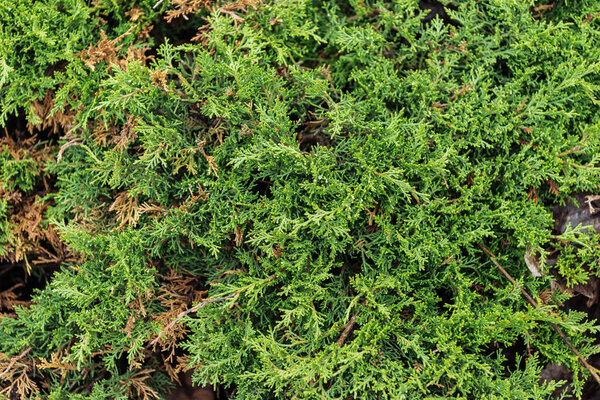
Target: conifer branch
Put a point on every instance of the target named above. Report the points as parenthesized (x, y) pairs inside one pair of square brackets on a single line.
[(534, 304)]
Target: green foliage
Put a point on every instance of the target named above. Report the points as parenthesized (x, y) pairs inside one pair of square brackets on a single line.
[(5, 228), (579, 255), (17, 173), (40, 37), (327, 171)]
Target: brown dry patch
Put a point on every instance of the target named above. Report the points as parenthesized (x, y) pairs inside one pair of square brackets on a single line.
[(60, 121), (134, 14), (193, 198), (23, 146), (185, 8), (136, 384), (107, 132), (552, 187), (9, 300), (56, 365), (177, 292), (125, 207), (128, 212), (108, 51), (32, 239), (590, 17), (539, 11), (127, 134), (460, 92), (159, 78), (103, 133), (15, 374)]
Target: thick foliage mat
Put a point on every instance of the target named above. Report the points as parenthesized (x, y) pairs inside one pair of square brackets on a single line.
[(289, 197)]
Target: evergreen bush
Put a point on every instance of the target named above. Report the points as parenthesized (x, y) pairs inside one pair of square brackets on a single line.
[(312, 181)]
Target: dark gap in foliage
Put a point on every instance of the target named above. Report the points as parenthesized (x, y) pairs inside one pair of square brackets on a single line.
[(446, 298), (581, 303), (591, 390), (390, 54), (310, 132), (188, 390), (16, 123), (437, 10), (179, 31), (509, 352), (393, 105), (58, 66), (110, 22), (262, 187), (501, 66), (322, 58), (122, 363), (512, 352), (351, 265), (223, 392), (309, 138), (14, 276)]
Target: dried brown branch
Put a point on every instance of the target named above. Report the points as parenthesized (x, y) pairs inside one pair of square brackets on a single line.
[(14, 360), (189, 311), (348, 329), (534, 304), (349, 326)]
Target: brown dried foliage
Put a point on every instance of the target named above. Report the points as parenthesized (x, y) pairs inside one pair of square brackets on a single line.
[(539, 11), (193, 198), (532, 195), (127, 134), (552, 187), (134, 14), (460, 92), (125, 207), (590, 17), (9, 299), (128, 212), (107, 132), (177, 293), (56, 365), (15, 375), (159, 78), (108, 51), (31, 240), (21, 146), (60, 121), (186, 8), (137, 384)]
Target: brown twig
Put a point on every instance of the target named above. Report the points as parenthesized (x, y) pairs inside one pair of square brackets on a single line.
[(70, 143), (349, 326), (188, 311), (534, 304), (348, 329)]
